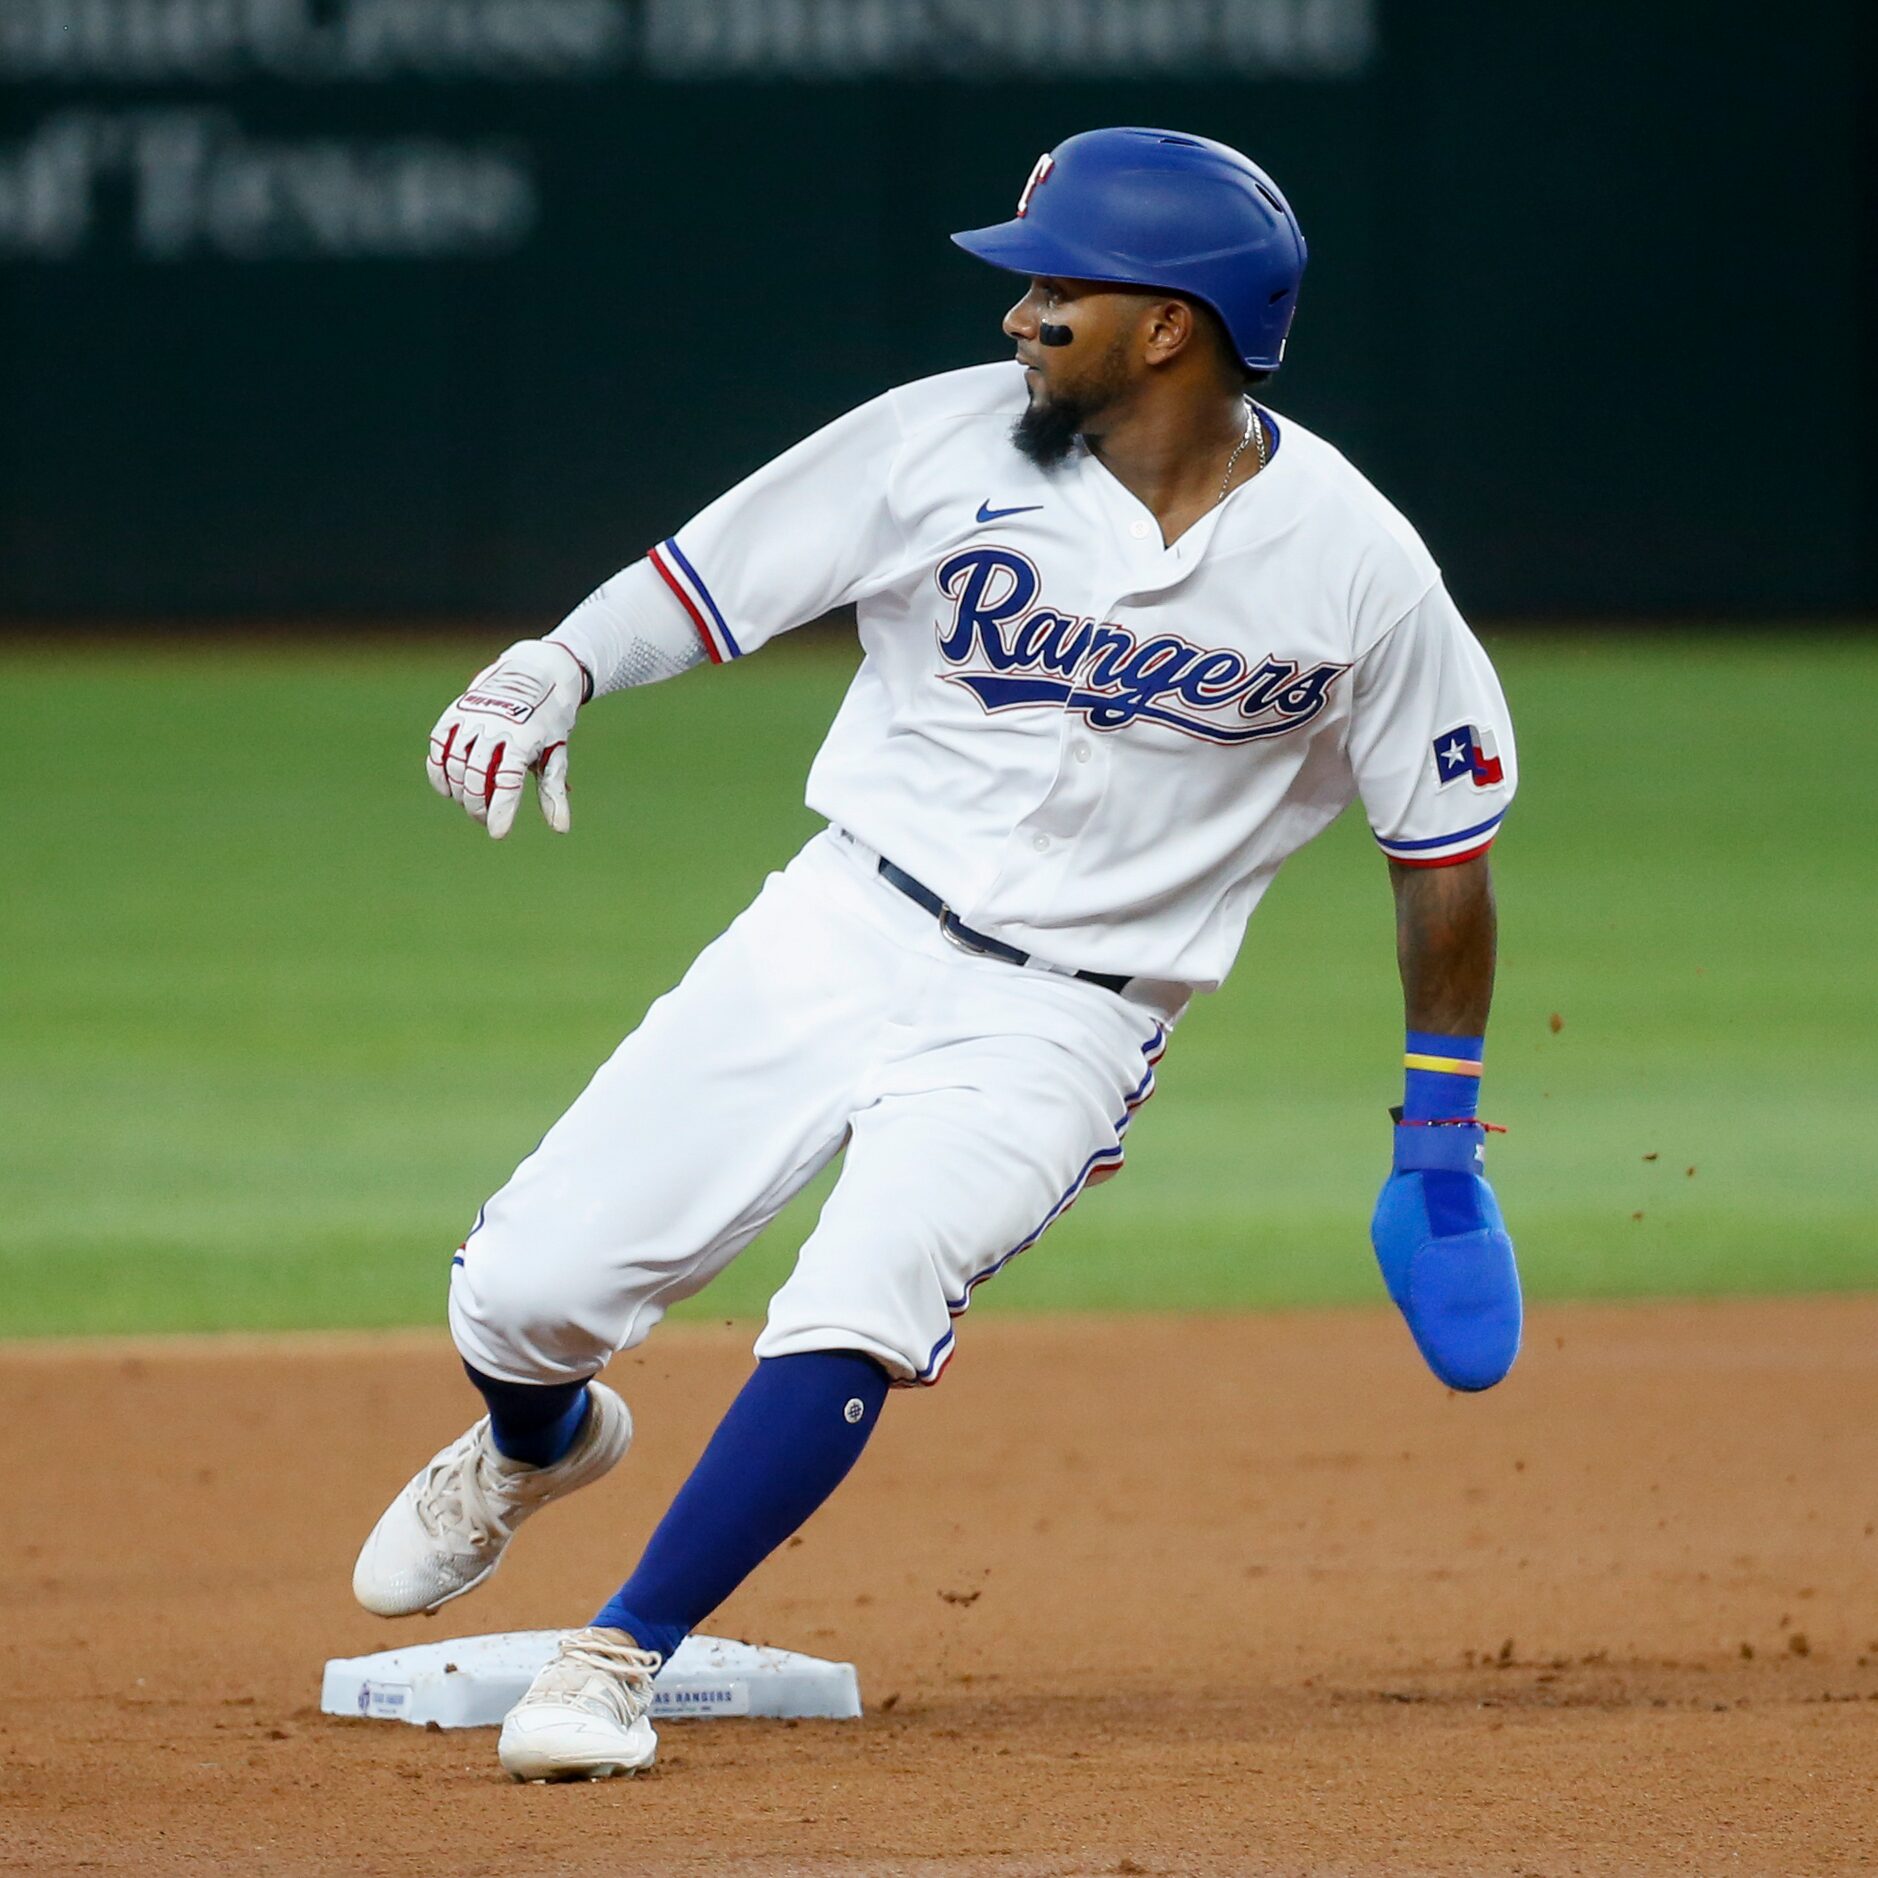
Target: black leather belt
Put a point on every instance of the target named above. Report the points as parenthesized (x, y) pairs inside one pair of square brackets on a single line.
[(962, 935)]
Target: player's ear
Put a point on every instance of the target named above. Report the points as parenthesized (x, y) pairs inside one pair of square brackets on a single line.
[(1169, 328)]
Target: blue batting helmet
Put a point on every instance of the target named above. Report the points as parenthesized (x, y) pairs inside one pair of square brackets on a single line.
[(1158, 208)]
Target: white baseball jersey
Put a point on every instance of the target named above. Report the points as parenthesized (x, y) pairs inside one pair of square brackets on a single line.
[(1091, 745), (1094, 747)]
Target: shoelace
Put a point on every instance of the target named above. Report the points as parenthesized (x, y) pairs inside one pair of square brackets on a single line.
[(598, 1670), (458, 1500)]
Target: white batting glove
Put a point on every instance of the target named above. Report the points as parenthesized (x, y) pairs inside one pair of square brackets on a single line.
[(514, 718)]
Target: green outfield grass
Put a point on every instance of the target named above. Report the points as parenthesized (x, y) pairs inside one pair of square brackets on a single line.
[(273, 1018)]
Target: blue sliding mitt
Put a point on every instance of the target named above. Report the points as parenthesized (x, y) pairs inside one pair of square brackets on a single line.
[(1445, 1254)]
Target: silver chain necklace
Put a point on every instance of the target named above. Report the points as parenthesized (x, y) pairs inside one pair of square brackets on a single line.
[(1253, 428)]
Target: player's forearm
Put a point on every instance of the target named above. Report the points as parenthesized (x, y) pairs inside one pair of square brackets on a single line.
[(630, 631), (1445, 930), (1437, 1229)]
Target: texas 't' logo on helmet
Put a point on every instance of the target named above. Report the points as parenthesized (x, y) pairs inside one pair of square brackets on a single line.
[(1039, 170)]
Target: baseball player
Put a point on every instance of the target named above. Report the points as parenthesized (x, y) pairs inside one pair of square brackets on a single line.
[(1130, 639)]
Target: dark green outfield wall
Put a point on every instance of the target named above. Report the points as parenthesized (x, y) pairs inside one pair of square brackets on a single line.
[(389, 307)]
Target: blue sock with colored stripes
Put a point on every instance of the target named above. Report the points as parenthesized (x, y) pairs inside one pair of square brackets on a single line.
[(533, 1422), (787, 1443)]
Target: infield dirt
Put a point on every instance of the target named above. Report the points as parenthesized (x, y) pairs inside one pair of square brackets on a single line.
[(1162, 1595)]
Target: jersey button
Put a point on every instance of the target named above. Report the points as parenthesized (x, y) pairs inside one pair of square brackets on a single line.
[(1041, 843), (1139, 530), (1081, 752)]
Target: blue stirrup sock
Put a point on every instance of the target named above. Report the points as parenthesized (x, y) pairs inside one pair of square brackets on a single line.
[(787, 1443), (532, 1422)]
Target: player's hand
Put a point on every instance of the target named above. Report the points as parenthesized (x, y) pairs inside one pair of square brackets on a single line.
[(1446, 1256), (511, 721)]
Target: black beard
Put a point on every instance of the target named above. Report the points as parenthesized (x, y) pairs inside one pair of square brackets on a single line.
[(1049, 427), (1047, 431)]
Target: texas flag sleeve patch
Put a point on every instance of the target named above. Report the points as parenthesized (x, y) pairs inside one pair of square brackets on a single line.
[(1468, 753)]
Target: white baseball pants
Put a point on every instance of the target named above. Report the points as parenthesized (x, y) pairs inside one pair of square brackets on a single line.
[(975, 1100)]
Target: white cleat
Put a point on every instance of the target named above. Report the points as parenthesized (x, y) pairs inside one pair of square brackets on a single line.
[(446, 1532), (584, 1716)]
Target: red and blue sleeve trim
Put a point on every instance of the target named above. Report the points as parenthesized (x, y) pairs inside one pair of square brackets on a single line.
[(668, 558), (1444, 850)]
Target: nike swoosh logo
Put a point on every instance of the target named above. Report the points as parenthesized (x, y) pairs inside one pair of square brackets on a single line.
[(986, 513)]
